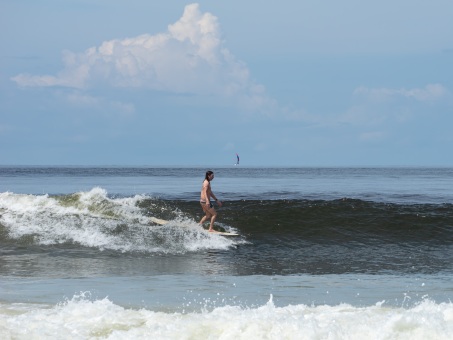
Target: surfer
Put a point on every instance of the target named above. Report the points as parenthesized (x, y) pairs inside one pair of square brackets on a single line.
[(205, 200)]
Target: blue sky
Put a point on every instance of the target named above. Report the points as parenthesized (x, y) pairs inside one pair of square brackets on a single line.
[(282, 83)]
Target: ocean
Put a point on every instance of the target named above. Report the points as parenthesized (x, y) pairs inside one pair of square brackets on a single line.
[(322, 253)]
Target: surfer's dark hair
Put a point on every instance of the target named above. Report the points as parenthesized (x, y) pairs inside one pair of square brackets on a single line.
[(208, 173)]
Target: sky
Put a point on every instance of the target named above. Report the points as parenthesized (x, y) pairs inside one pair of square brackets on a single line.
[(180, 83)]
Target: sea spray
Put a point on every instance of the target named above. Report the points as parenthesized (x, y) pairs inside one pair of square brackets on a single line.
[(83, 318)]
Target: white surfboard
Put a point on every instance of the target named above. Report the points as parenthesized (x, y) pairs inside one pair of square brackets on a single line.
[(163, 222), (158, 220), (223, 233)]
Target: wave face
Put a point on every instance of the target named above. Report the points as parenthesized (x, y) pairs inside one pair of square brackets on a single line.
[(276, 236), (349, 236)]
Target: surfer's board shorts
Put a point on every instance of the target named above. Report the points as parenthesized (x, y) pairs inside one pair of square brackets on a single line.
[(209, 210)]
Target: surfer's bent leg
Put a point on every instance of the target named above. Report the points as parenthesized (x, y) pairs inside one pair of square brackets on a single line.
[(210, 213), (206, 211), (211, 226)]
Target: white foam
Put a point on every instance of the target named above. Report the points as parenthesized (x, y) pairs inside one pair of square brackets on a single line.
[(81, 318), (92, 219)]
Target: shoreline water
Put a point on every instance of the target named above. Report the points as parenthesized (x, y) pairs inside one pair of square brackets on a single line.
[(207, 292)]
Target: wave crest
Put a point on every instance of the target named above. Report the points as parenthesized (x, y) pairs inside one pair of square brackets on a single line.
[(93, 219)]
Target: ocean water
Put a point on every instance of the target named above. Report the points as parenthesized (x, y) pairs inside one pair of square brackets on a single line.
[(322, 253)]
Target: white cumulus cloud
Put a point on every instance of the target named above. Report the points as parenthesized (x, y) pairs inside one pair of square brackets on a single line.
[(189, 58)]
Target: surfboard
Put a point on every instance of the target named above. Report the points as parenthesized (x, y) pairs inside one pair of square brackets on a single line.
[(223, 233), (163, 222), (158, 220)]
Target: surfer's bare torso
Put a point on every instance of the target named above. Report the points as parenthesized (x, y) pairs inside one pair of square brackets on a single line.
[(206, 192)]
